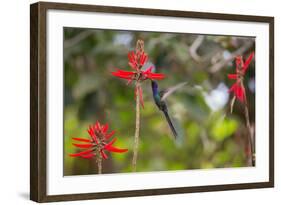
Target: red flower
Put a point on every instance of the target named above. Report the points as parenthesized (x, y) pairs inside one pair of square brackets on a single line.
[(98, 143), (136, 61), (238, 88)]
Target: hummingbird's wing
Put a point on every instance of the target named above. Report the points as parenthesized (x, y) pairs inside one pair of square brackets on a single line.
[(169, 91)]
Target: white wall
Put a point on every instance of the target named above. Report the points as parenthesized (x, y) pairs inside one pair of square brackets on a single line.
[(14, 109)]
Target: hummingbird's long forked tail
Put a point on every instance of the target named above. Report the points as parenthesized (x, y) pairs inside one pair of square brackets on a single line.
[(170, 124)]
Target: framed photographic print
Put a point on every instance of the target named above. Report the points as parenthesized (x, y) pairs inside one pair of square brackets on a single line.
[(134, 102)]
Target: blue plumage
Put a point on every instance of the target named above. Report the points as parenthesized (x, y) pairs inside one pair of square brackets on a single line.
[(157, 96)]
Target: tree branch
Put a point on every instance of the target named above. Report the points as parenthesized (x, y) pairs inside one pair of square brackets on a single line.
[(194, 47), (219, 65)]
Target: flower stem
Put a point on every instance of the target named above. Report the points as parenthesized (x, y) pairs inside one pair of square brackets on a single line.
[(250, 137), (232, 103), (137, 131), (99, 162)]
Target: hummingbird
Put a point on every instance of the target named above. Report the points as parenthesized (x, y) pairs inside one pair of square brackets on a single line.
[(159, 99)]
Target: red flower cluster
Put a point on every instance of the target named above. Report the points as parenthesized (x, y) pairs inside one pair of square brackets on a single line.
[(98, 143), (138, 74), (238, 88), (136, 61)]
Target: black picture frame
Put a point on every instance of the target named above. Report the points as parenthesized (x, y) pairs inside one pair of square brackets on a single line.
[(38, 100)]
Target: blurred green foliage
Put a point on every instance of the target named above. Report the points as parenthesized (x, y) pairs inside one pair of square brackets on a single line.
[(210, 137)]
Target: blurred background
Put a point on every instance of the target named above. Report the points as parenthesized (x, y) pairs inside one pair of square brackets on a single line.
[(210, 137)]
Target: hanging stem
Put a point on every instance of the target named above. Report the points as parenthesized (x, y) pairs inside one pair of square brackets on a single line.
[(137, 131), (250, 136), (232, 104)]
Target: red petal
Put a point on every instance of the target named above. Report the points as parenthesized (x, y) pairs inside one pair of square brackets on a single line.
[(80, 153), (143, 58), (81, 139), (232, 88), (239, 62), (238, 91), (125, 76), (132, 56), (125, 72), (247, 62), (240, 94), (105, 128), (132, 59), (115, 149), (82, 145), (90, 130), (92, 133), (97, 126), (108, 136), (103, 154), (232, 76), (110, 143), (157, 76), (88, 156)]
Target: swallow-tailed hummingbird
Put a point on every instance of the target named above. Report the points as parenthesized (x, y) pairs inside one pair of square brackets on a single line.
[(159, 99)]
